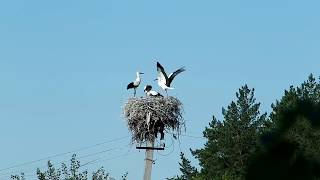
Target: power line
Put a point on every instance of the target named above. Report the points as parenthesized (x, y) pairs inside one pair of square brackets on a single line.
[(172, 149), (187, 135), (62, 154), (101, 152), (89, 155), (81, 157), (95, 161), (102, 159), (191, 136), (116, 157)]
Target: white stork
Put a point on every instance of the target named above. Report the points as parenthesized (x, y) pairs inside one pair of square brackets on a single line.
[(135, 84), (164, 81), (149, 92)]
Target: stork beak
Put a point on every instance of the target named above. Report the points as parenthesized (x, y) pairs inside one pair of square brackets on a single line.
[(141, 73)]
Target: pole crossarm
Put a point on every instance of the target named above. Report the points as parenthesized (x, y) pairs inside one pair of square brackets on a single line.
[(151, 148)]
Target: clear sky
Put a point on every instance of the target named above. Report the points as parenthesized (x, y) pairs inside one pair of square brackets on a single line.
[(65, 64)]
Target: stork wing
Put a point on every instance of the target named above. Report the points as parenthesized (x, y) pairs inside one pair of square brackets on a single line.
[(174, 74), (131, 85), (162, 76)]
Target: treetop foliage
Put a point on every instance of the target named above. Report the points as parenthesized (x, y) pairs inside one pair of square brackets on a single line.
[(249, 145)]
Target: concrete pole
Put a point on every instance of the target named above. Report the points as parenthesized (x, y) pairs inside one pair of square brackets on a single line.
[(148, 162), (148, 156)]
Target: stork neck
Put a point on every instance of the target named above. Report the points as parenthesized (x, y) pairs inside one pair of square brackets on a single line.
[(138, 76)]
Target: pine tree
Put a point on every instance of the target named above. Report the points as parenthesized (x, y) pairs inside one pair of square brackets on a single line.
[(231, 142), (302, 132), (187, 170), (291, 147)]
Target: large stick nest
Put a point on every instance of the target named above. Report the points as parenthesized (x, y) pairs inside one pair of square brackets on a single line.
[(165, 115)]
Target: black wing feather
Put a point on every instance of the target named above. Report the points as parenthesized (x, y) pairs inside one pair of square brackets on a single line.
[(161, 69), (130, 86), (174, 74)]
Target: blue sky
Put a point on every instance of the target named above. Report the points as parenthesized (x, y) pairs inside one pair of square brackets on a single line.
[(64, 67)]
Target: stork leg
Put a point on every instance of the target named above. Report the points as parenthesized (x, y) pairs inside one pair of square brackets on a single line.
[(166, 92), (161, 135), (161, 129), (134, 93)]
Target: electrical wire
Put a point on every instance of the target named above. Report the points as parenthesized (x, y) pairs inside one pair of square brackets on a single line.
[(89, 155), (92, 161), (191, 136), (96, 161), (78, 158), (108, 159), (172, 149), (187, 135), (62, 154)]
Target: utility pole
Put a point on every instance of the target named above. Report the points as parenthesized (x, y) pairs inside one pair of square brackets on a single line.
[(148, 161), (149, 153), (146, 118)]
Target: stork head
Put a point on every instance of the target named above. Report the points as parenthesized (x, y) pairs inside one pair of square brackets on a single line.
[(139, 73), (147, 88)]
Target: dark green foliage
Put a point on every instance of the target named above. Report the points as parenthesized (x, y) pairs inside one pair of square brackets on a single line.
[(290, 138), (124, 177), (234, 140), (283, 157), (187, 170), (50, 174), (291, 148), (71, 173), (100, 174), (301, 131), (18, 177)]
